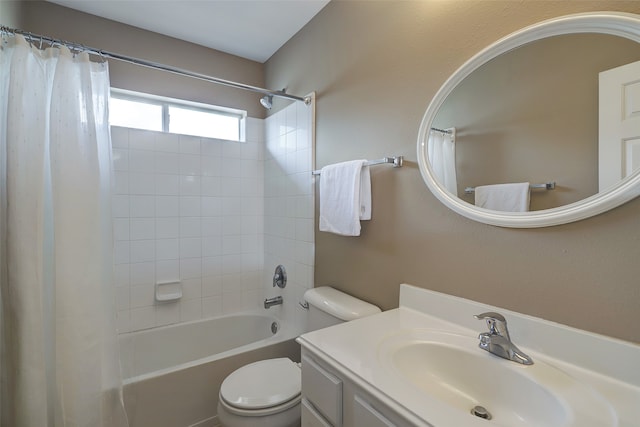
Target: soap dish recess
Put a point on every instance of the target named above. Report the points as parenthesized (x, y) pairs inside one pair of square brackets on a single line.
[(168, 291)]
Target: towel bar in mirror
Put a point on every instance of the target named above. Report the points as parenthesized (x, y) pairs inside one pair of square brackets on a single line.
[(543, 186)]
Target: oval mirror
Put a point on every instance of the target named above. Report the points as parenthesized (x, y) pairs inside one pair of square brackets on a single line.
[(553, 108)]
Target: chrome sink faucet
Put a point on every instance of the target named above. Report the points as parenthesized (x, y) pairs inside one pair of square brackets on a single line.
[(497, 340)]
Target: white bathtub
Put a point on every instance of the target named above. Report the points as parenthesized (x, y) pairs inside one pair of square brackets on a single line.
[(172, 374)]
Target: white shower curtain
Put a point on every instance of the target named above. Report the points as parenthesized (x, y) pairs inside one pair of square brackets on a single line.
[(442, 156), (59, 360)]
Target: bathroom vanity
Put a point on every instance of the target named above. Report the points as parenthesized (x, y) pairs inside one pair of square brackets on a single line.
[(333, 397), (420, 365)]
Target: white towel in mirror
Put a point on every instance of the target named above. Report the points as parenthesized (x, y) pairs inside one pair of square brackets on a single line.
[(513, 197), (365, 194), (345, 197)]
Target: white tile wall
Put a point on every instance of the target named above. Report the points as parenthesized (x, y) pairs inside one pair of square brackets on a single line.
[(289, 206), (188, 209), (219, 216)]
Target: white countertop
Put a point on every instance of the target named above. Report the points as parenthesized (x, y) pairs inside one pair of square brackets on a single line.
[(607, 365)]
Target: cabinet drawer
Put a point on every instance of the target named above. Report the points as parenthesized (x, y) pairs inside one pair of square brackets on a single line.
[(365, 415), (323, 390), (311, 417)]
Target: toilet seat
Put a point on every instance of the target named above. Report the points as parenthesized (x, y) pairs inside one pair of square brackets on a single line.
[(262, 388)]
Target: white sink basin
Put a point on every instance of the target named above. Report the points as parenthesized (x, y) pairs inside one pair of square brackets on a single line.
[(452, 369)]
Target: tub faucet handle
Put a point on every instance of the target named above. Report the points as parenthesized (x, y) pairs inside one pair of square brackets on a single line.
[(280, 277)]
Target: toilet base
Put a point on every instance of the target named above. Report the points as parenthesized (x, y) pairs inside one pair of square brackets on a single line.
[(287, 418)]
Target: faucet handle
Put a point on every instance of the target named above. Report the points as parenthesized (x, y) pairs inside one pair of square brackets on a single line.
[(280, 277), (496, 323), (491, 315)]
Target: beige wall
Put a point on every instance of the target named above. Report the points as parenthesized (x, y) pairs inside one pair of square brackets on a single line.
[(59, 22), (10, 14), (375, 66)]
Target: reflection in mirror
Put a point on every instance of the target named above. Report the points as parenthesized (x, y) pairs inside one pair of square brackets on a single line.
[(442, 156), (552, 125), (531, 115)]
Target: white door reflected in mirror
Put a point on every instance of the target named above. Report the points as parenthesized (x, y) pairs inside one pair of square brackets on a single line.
[(619, 124)]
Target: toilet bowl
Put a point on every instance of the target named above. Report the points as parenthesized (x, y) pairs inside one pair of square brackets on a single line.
[(267, 393), (264, 393)]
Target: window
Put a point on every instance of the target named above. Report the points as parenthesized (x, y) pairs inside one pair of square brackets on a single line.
[(142, 111), (189, 121), (135, 114)]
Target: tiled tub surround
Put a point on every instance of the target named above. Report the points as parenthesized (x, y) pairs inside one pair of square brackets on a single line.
[(194, 209), (289, 206), (187, 209)]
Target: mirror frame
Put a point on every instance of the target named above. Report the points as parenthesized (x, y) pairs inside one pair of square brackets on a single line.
[(626, 25)]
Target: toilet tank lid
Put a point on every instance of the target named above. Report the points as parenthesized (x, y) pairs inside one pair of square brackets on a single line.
[(338, 304)]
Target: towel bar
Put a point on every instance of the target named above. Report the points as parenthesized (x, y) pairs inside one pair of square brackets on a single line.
[(543, 186), (395, 161)]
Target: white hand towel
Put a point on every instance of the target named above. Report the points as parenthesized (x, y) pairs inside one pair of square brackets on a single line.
[(342, 193), (503, 197)]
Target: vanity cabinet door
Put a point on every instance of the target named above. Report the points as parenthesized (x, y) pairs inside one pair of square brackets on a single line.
[(311, 417), (365, 415), (323, 390)]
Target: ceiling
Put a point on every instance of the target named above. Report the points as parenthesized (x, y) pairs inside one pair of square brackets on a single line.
[(252, 29)]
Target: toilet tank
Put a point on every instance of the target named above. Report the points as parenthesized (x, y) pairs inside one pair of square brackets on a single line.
[(329, 306)]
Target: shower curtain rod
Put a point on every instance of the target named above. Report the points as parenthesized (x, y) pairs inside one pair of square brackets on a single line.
[(447, 131), (76, 47)]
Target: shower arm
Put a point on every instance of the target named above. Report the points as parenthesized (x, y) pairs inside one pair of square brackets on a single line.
[(79, 48)]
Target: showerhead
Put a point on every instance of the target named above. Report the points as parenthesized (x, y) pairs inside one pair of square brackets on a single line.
[(267, 101)]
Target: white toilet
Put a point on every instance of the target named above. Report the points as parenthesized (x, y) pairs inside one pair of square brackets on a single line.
[(267, 393)]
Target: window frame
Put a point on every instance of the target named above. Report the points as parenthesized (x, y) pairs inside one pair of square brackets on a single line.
[(166, 102)]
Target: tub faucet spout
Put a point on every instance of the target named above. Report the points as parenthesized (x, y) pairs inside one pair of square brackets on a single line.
[(269, 302)]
